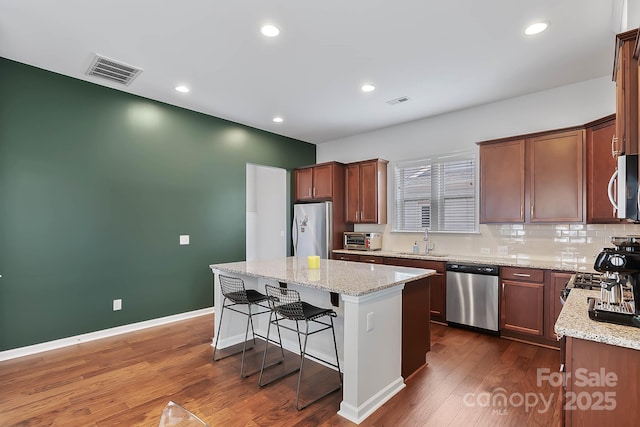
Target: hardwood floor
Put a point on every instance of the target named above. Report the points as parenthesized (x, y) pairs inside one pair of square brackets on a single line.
[(127, 380)]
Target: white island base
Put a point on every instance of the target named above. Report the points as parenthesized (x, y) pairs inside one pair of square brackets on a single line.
[(368, 327)]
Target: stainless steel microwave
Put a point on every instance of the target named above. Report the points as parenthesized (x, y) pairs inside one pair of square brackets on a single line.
[(362, 240)]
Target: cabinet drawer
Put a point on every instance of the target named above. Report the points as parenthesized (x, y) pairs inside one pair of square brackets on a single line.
[(346, 257), (522, 274), (372, 259)]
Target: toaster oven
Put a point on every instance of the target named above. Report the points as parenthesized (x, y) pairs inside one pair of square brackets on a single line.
[(362, 240)]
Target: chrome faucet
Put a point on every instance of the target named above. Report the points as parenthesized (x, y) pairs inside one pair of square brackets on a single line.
[(427, 246)]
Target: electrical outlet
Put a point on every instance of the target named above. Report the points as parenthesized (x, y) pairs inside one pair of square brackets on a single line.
[(184, 239), (117, 304), (370, 321)]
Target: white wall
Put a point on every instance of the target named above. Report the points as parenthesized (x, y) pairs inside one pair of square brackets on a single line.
[(566, 106), (266, 218), (552, 109)]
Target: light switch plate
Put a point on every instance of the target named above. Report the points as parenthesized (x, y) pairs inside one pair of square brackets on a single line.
[(184, 239), (117, 304)]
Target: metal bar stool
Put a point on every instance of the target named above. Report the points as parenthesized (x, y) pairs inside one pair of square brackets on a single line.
[(286, 305), (235, 294)]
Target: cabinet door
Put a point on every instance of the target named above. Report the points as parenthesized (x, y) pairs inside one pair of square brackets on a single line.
[(502, 182), (626, 77), (304, 183), (352, 193), (600, 166), (556, 283), (556, 190), (368, 199), (522, 307), (438, 297), (323, 182)]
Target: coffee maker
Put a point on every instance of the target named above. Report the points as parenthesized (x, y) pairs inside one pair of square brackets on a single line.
[(619, 300)]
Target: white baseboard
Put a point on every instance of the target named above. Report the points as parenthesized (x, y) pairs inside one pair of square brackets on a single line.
[(91, 336), (358, 414)]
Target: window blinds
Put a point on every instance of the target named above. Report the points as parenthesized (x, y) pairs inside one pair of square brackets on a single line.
[(438, 194)]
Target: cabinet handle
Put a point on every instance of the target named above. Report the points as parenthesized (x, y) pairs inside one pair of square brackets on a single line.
[(357, 216), (531, 217), (521, 275), (613, 141), (522, 212), (370, 260), (361, 215), (314, 191), (309, 191)]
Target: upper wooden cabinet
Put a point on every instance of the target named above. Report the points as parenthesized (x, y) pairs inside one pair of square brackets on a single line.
[(556, 179), (533, 179), (320, 182), (366, 192), (502, 182), (625, 74), (601, 164)]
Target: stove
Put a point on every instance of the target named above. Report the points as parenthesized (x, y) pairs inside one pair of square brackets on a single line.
[(583, 280)]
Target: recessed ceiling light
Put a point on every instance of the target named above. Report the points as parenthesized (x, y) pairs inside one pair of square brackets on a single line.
[(182, 89), (270, 30), (536, 28), (278, 119), (368, 87)]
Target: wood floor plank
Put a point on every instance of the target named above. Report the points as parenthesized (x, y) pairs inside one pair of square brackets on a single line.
[(127, 380)]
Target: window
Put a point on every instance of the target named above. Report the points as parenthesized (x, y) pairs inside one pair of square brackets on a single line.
[(438, 194)]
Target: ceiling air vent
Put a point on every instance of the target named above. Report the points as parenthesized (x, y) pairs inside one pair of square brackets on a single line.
[(398, 100), (113, 70)]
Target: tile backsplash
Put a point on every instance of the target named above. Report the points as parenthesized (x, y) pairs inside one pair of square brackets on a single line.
[(561, 242)]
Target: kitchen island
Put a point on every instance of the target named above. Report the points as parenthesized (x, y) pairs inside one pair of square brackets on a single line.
[(602, 366), (369, 326)]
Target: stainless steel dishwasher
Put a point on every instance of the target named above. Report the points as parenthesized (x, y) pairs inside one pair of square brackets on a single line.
[(472, 295)]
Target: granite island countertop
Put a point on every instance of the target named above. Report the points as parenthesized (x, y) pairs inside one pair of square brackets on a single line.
[(507, 261), (574, 322), (343, 277)]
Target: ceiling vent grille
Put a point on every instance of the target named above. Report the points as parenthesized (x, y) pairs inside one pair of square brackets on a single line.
[(115, 71), (398, 100)]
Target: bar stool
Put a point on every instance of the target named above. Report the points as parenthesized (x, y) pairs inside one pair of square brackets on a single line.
[(286, 305), (235, 294)]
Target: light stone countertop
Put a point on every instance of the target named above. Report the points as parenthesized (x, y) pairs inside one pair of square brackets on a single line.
[(563, 265), (343, 277), (574, 322)]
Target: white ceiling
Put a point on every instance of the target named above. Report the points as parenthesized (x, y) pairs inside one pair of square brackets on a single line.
[(443, 55)]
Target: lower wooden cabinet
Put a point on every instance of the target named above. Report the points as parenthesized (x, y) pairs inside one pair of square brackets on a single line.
[(437, 283), (522, 307), (602, 385), (522, 300), (555, 281)]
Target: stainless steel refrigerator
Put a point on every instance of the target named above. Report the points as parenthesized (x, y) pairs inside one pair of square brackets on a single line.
[(312, 229)]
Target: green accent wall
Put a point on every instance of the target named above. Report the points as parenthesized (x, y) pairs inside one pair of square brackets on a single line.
[(96, 186)]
